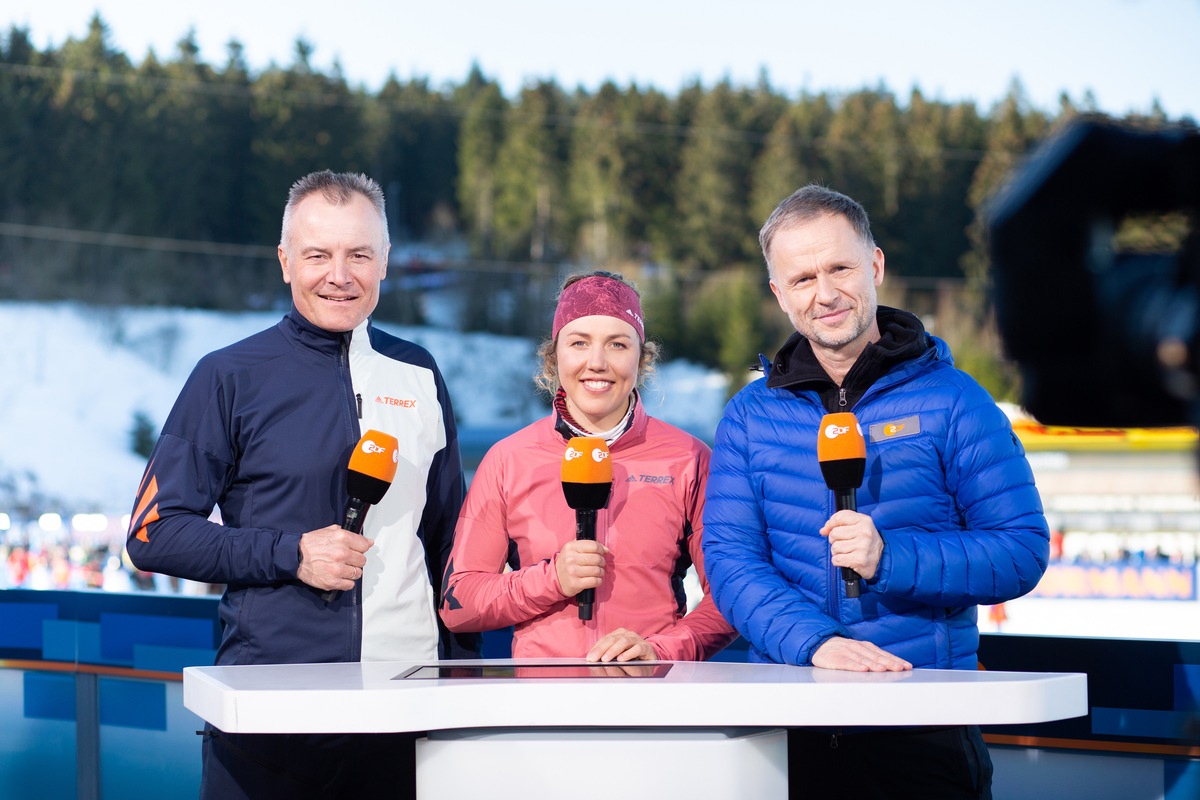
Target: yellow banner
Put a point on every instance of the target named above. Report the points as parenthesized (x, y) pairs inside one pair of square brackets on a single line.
[(1035, 436), (1118, 581)]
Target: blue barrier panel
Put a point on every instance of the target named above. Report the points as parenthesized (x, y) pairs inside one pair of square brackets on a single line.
[(60, 639), (49, 695), (1187, 688), (145, 737), (1182, 779), (133, 704), (38, 753), (156, 658), (1143, 723), (120, 632), (21, 624), (1140, 691)]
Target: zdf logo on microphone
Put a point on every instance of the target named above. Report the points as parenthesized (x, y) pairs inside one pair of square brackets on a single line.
[(598, 454), (833, 431), (370, 448)]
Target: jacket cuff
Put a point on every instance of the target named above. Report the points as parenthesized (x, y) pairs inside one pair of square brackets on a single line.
[(883, 571), (287, 555)]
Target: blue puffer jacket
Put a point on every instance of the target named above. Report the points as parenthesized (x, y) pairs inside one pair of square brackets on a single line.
[(947, 485)]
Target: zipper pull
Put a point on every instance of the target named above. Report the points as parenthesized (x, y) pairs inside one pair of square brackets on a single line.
[(841, 397), (358, 402)]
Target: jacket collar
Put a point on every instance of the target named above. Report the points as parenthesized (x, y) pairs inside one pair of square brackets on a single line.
[(296, 327), (635, 434), (902, 338)]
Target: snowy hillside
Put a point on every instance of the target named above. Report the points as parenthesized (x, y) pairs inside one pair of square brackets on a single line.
[(76, 377)]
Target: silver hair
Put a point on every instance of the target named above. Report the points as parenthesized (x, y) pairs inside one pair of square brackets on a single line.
[(338, 188), (808, 203)]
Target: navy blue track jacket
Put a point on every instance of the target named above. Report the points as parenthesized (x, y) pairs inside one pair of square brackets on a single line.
[(263, 430)]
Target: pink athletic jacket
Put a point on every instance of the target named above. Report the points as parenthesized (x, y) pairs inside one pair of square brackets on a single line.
[(515, 514)]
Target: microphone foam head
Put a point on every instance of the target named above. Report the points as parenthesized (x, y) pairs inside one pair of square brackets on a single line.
[(586, 461), (372, 466), (842, 451), (587, 473)]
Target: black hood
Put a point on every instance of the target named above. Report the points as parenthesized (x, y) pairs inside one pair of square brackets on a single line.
[(902, 338)]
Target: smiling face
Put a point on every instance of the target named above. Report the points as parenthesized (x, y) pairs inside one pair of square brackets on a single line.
[(598, 359), (825, 279), (334, 259)]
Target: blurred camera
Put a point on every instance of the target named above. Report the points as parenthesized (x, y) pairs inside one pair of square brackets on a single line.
[(1102, 338)]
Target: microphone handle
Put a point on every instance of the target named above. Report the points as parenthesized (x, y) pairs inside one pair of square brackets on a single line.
[(585, 529), (356, 510), (847, 499)]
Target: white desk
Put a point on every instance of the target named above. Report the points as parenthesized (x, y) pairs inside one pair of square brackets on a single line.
[(727, 717)]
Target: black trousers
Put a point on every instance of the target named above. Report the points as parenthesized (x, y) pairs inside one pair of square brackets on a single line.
[(307, 766), (946, 763)]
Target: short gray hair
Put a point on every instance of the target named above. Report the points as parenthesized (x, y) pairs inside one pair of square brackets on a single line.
[(808, 203), (338, 188)]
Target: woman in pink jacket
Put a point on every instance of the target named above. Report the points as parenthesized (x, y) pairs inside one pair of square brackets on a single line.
[(515, 559)]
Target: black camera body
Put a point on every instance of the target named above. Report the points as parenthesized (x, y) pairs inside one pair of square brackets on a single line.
[(1102, 338)]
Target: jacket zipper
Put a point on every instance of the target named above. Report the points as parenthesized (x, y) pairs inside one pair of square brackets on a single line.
[(833, 574), (593, 625), (356, 609)]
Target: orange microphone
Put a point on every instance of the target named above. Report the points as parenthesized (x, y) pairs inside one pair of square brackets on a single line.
[(587, 483), (842, 453), (368, 477)]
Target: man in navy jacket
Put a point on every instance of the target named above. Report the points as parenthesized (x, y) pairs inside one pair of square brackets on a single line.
[(263, 431), (947, 517)]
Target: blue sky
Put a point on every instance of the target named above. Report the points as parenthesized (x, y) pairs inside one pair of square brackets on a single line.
[(1128, 53)]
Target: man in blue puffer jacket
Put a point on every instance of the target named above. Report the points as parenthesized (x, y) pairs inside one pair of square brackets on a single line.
[(948, 515)]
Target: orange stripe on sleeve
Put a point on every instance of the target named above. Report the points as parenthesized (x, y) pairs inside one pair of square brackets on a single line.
[(142, 534), (146, 496), (147, 475)]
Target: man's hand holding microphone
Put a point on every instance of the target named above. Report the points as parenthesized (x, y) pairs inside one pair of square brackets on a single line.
[(854, 542), (333, 558)]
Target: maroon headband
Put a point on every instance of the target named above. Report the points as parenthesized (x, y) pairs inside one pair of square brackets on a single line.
[(597, 295)]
